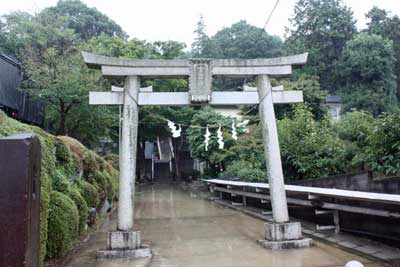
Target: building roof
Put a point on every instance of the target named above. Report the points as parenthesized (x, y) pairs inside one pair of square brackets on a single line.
[(10, 59), (332, 99)]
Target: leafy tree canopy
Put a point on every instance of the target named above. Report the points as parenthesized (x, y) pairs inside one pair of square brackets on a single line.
[(366, 74), (241, 40), (214, 156), (381, 23), (309, 148), (322, 28), (87, 22)]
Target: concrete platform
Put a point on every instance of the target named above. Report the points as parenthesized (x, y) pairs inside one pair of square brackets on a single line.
[(286, 244), (123, 254)]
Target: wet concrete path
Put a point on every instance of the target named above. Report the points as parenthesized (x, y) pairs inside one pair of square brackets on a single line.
[(186, 231)]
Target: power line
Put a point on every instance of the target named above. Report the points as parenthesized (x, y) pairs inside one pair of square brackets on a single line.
[(269, 17)]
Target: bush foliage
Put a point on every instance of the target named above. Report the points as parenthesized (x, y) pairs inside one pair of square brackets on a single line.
[(61, 204), (63, 224), (89, 194)]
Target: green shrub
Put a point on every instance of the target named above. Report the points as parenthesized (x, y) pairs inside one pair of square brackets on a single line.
[(63, 224), (383, 148), (10, 126), (112, 177), (80, 203), (113, 159), (244, 171), (90, 163), (89, 194), (60, 182), (58, 163), (65, 160), (309, 148)]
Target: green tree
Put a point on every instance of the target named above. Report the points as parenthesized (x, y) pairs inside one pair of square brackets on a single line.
[(366, 74), (201, 40), (322, 28), (242, 40), (314, 96), (85, 21), (60, 80), (384, 144), (354, 128), (168, 50), (115, 46), (55, 73), (214, 156), (309, 148), (389, 27)]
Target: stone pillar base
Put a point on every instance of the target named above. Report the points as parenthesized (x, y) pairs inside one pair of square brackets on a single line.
[(124, 244), (284, 236)]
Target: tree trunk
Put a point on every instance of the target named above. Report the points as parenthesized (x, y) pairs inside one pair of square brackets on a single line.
[(61, 127), (177, 148)]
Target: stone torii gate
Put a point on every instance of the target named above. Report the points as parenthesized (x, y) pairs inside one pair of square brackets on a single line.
[(125, 242)]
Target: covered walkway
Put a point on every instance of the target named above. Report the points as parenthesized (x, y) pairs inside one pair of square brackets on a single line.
[(183, 231)]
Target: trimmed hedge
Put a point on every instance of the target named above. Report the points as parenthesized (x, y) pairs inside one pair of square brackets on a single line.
[(63, 207), (83, 209), (10, 126), (89, 194), (63, 224), (113, 159)]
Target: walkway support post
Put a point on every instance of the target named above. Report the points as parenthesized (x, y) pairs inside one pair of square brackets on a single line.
[(279, 234)]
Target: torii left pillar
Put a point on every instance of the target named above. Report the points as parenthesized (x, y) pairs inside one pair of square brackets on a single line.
[(126, 242)]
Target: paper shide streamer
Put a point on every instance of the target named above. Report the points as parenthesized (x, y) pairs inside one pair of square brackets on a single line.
[(207, 138), (175, 132), (220, 139), (234, 133)]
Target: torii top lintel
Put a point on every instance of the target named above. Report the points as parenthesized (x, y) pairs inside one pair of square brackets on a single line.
[(113, 66), (199, 71)]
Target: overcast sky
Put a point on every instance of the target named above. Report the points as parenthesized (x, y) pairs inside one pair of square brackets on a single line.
[(176, 19)]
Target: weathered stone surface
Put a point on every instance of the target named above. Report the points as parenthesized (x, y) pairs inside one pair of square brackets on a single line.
[(127, 163), (283, 231), (272, 151), (96, 61), (123, 240), (200, 80), (124, 254), (287, 244), (182, 98)]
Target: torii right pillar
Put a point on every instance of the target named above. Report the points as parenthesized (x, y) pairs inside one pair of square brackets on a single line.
[(281, 233)]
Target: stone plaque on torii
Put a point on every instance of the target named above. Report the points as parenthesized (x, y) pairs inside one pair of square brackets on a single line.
[(125, 242)]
